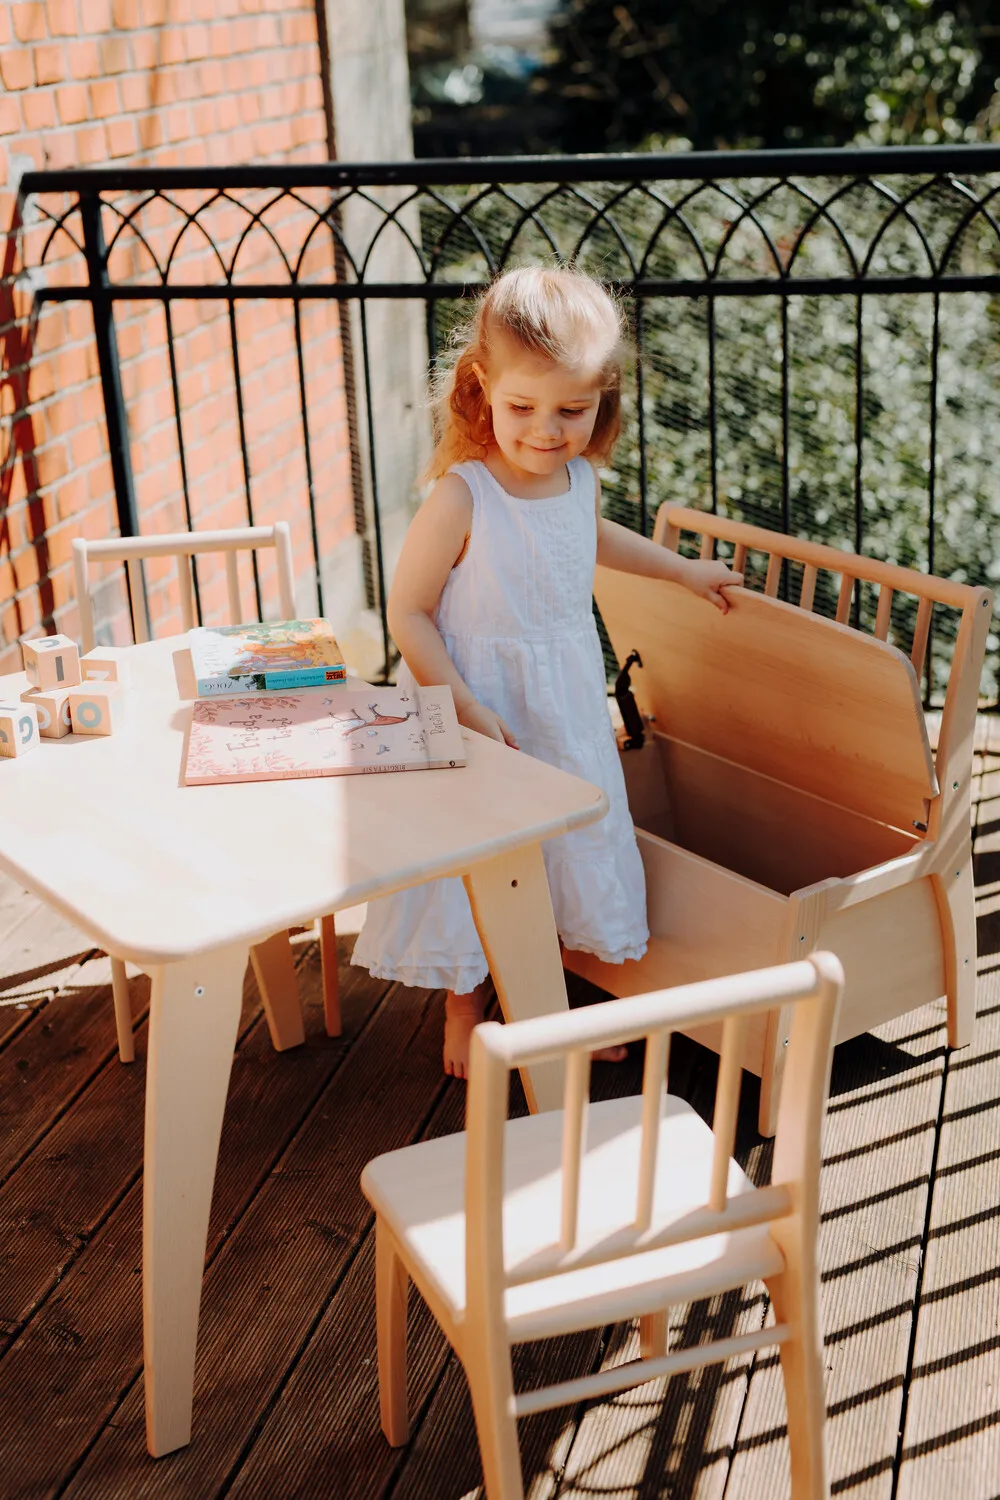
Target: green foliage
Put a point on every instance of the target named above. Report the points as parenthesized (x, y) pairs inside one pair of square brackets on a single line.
[(881, 503), (784, 438), (725, 73)]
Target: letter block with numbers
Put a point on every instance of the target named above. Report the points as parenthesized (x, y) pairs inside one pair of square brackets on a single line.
[(102, 666), (96, 709), (52, 708), (52, 661), (18, 729)]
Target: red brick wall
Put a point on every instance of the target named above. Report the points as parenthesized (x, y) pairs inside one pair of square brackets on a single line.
[(159, 83)]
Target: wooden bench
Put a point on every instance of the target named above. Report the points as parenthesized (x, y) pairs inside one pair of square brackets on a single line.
[(787, 798)]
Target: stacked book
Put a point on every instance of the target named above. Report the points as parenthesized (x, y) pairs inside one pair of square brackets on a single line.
[(267, 658), (272, 705)]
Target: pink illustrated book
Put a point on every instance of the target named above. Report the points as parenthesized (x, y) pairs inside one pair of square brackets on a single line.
[(349, 731)]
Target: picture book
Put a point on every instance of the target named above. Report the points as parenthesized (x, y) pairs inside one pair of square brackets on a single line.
[(265, 658), (280, 736)]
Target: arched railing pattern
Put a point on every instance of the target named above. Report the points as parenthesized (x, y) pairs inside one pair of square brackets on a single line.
[(813, 331)]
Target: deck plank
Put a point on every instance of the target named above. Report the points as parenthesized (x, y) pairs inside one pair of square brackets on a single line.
[(274, 1275), (322, 1435), (443, 1459), (55, 1056), (39, 953), (667, 1436), (442, 1462), (679, 1432), (14, 901), (951, 1443), (286, 1405), (81, 1352), (61, 1194), (878, 1149), (66, 1189)]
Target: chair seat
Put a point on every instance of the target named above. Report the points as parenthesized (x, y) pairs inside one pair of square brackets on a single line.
[(419, 1192)]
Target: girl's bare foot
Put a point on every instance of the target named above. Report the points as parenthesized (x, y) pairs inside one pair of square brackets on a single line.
[(603, 1054), (610, 1054), (461, 1014)]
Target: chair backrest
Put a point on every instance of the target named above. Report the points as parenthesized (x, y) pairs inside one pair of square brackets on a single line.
[(182, 546), (953, 761), (813, 986)]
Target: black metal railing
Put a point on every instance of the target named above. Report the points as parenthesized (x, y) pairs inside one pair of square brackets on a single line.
[(814, 332)]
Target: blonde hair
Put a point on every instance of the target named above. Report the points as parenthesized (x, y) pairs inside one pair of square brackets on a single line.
[(557, 314)]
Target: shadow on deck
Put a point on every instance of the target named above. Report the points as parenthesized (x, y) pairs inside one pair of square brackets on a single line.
[(286, 1395)]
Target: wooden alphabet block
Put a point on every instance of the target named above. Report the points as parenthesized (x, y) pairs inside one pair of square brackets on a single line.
[(96, 709), (104, 666), (18, 729), (52, 709), (51, 661)]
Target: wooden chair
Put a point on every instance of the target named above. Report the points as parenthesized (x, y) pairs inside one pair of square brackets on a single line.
[(596, 1213), (272, 960), (787, 797)]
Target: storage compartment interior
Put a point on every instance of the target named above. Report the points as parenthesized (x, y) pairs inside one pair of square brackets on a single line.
[(754, 825)]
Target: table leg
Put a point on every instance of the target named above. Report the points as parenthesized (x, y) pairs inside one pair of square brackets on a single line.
[(194, 1019), (274, 968), (331, 976), (513, 914)]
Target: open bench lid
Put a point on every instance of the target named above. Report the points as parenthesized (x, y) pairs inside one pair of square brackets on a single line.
[(792, 695)]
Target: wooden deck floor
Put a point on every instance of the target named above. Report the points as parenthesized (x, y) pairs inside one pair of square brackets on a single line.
[(286, 1399)]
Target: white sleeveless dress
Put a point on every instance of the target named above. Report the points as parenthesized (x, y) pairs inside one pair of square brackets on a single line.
[(517, 620)]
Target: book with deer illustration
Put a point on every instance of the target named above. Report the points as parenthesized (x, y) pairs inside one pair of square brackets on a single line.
[(281, 736), (270, 657)]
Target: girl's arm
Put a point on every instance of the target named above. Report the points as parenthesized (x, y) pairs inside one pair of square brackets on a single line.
[(435, 541), (627, 552)]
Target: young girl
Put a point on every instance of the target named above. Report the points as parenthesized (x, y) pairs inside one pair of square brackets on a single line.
[(492, 594)]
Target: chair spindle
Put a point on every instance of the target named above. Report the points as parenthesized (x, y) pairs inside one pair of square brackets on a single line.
[(575, 1100), (921, 634), (727, 1104), (286, 571), (671, 535), (883, 614), (186, 591), (707, 548), (808, 591), (233, 587), (773, 575), (654, 1081), (844, 598)]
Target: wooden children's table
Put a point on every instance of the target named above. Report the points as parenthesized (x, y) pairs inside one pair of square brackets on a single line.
[(183, 880)]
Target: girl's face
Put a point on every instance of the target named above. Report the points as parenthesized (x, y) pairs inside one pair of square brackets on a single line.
[(543, 413)]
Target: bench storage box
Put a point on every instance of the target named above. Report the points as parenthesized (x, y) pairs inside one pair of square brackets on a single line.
[(787, 798)]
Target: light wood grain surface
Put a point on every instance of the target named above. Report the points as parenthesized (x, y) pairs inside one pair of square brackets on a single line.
[(103, 830), (790, 695)]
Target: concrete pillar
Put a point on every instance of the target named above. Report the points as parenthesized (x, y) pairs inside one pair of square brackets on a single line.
[(369, 98)]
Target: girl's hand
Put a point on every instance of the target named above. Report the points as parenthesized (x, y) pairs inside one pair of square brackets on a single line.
[(709, 580), (484, 721)]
